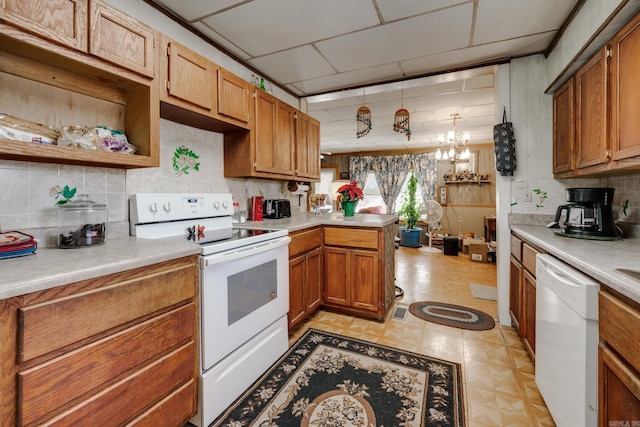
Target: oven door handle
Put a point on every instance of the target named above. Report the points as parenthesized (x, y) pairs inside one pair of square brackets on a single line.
[(243, 252)]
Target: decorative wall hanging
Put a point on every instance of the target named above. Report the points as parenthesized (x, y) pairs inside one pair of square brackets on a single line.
[(401, 119), (185, 160), (363, 120)]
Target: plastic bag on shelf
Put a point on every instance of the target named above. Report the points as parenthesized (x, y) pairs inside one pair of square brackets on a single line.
[(79, 137), (114, 140), (17, 129)]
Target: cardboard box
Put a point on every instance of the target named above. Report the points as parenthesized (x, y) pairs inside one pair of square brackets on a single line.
[(478, 251), (467, 240)]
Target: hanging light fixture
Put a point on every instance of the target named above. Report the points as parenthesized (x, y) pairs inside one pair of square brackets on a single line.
[(401, 118), (363, 119), (453, 149)]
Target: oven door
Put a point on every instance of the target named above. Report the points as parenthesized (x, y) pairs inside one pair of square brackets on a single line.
[(243, 291)]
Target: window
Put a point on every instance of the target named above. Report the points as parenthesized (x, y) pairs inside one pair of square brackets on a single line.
[(372, 197), (419, 196)]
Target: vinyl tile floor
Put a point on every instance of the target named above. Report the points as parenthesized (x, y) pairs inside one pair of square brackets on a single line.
[(499, 386)]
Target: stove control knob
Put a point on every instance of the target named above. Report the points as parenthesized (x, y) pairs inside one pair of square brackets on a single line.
[(153, 207), (167, 207), (216, 205), (225, 205)]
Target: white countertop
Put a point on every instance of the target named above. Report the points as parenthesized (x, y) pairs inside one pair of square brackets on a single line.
[(598, 259), (51, 267), (305, 220)]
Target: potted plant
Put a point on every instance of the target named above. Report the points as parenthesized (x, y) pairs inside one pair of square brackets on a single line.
[(409, 233), (349, 194)]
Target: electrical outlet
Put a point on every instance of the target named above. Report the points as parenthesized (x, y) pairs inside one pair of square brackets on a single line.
[(246, 192), (459, 219)]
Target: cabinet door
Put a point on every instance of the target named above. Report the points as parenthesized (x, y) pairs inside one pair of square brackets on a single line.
[(314, 281), (60, 21), (286, 139), (564, 128), (233, 96), (297, 275), (618, 390), (307, 147), (121, 40), (364, 280), (189, 77), (265, 133), (625, 89), (529, 313), (337, 276), (592, 146), (515, 294)]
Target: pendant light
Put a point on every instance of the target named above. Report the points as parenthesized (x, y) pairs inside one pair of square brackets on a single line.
[(363, 119), (401, 118)]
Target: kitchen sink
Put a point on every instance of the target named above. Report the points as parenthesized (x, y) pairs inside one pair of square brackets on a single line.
[(635, 274)]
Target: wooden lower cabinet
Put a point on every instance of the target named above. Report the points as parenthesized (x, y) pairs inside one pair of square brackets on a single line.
[(515, 292), (117, 349), (305, 274), (522, 291), (618, 360), (353, 279), (528, 326)]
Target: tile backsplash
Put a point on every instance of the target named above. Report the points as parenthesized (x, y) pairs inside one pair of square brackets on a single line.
[(27, 205)]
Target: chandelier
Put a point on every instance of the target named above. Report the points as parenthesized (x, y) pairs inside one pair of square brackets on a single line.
[(454, 148)]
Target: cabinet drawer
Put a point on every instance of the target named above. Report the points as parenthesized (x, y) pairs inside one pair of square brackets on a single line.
[(529, 258), (304, 241), (619, 327), (173, 410), (105, 360), (516, 247), (55, 324), (351, 237), (135, 393)]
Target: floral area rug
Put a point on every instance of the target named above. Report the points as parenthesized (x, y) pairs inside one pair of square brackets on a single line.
[(329, 380)]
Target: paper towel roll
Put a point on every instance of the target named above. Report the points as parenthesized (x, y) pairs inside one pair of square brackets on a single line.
[(301, 189)]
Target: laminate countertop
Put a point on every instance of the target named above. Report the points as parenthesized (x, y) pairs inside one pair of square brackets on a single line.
[(51, 267), (595, 258), (306, 220)]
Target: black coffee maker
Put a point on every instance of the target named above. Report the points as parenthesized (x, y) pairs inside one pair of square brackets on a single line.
[(589, 214)]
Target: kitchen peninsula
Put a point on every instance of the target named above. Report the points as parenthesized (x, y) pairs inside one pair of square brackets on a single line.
[(343, 263)]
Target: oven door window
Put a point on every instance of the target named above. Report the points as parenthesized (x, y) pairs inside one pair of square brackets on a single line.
[(251, 289)]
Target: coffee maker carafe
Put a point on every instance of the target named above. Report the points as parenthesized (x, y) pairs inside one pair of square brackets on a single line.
[(588, 214)]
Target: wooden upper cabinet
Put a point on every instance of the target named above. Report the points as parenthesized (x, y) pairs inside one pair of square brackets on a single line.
[(625, 90), (286, 139), (234, 96), (592, 145), (307, 147), (564, 127), (60, 21), (121, 39), (265, 133), (189, 77)]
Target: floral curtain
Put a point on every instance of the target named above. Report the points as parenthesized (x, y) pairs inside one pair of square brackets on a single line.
[(390, 172), (425, 167), (359, 167)]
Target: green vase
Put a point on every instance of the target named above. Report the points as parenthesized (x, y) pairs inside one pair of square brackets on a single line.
[(349, 207)]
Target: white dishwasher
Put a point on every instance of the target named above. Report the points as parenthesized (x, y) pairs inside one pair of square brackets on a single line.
[(567, 342)]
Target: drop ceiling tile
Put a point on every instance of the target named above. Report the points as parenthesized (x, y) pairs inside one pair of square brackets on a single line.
[(221, 41), (261, 27), (394, 9), (498, 20), (423, 35), (193, 9), (473, 55), (351, 78), (293, 65)]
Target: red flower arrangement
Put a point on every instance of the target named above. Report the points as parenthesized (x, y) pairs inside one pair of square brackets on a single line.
[(350, 191)]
